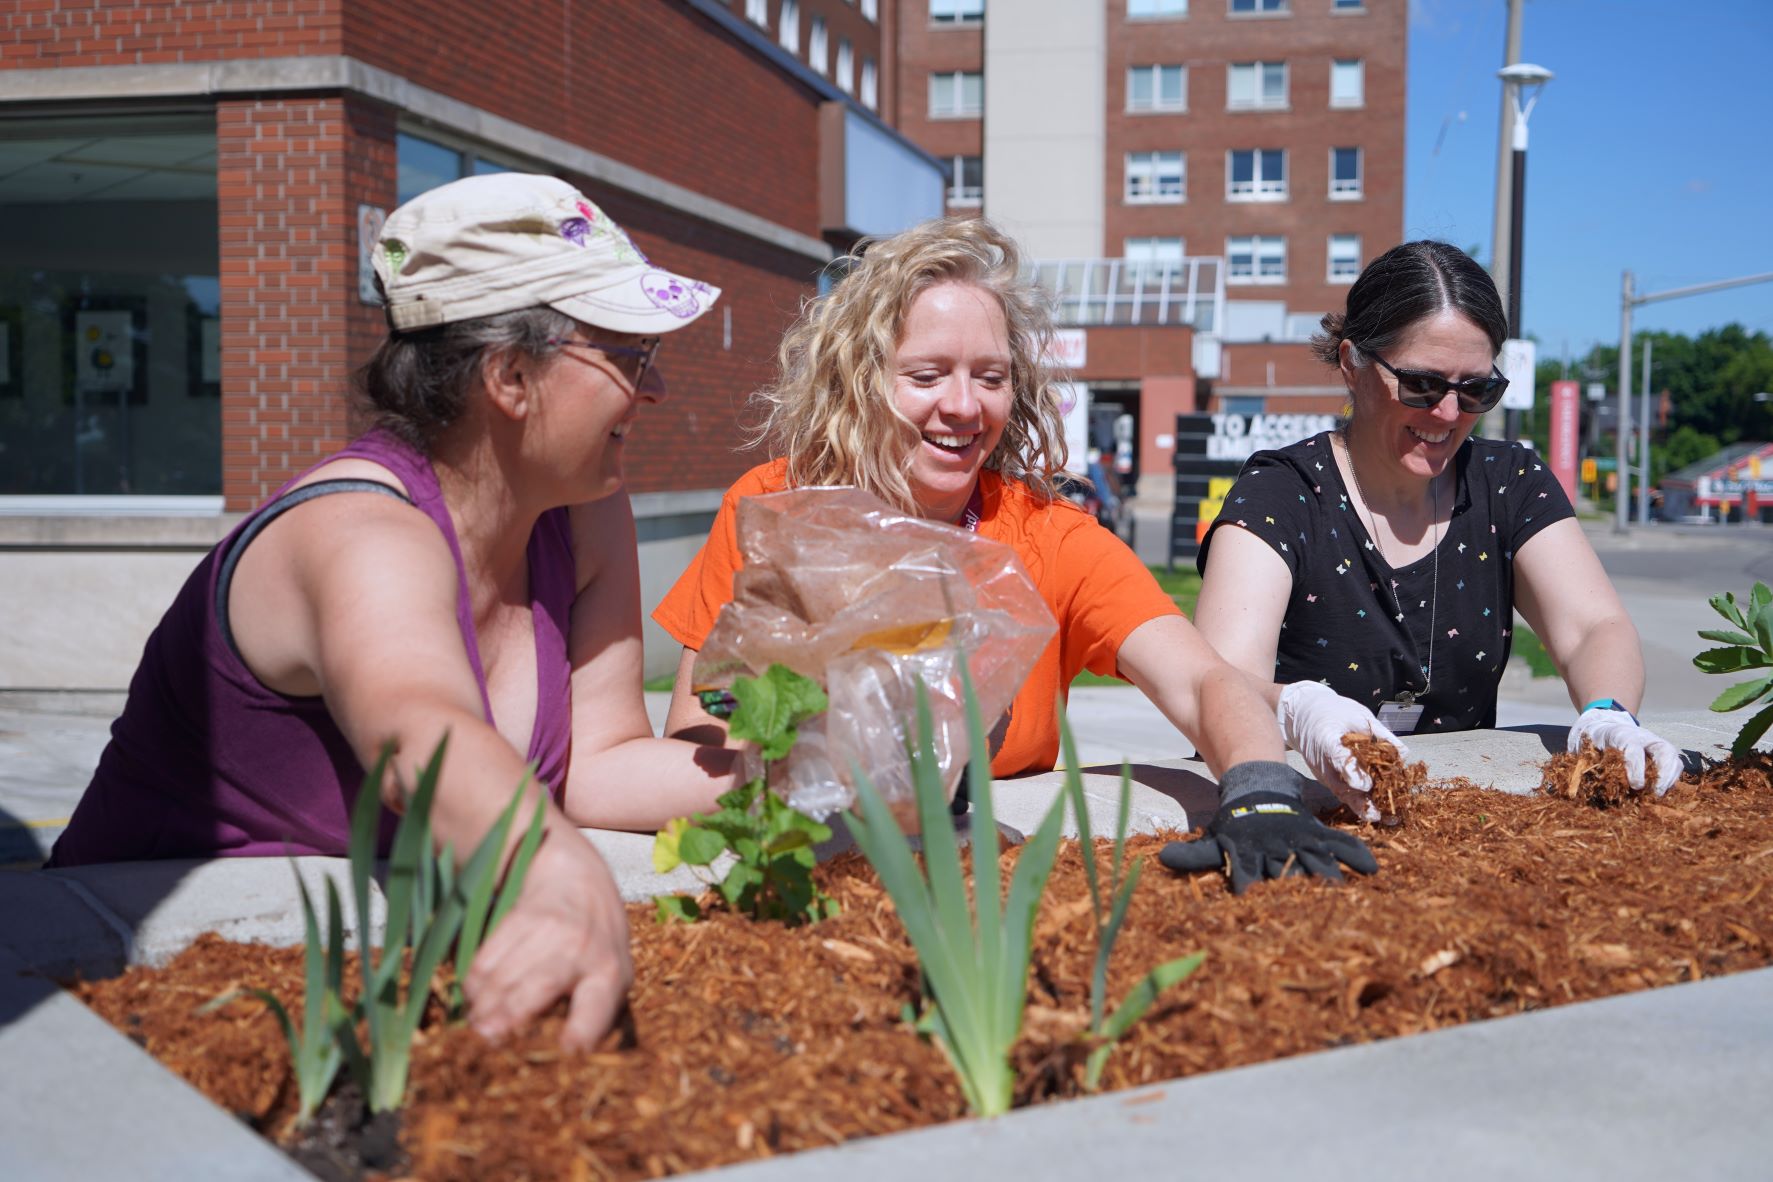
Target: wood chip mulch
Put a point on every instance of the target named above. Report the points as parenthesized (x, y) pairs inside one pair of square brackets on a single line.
[(750, 1040)]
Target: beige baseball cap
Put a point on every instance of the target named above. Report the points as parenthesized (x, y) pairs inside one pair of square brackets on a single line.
[(499, 243)]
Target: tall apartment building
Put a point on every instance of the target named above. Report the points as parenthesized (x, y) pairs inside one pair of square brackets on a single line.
[(188, 192), (1200, 180)]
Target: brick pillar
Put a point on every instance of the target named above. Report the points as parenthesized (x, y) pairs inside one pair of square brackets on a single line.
[(1161, 398), (284, 183)]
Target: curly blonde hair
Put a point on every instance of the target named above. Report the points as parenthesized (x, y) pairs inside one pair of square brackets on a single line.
[(832, 411)]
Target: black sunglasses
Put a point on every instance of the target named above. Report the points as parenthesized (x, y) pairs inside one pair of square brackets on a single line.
[(1421, 390)]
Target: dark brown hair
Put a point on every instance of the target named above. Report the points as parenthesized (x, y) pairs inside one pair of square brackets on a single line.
[(1404, 285)]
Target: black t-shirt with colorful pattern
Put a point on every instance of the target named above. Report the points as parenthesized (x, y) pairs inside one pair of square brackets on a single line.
[(1363, 628)]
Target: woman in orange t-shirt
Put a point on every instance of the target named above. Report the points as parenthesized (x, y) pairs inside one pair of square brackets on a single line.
[(919, 378)]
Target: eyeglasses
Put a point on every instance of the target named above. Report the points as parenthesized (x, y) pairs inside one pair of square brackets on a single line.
[(635, 361), (1421, 390)]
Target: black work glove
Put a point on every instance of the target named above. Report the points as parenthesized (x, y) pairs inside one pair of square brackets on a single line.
[(1263, 830)]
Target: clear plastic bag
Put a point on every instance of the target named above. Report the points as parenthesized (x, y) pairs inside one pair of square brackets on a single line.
[(842, 588)]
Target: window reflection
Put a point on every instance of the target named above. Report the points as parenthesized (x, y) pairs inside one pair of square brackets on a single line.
[(109, 306)]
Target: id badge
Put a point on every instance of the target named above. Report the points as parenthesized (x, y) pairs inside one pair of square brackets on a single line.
[(1401, 718)]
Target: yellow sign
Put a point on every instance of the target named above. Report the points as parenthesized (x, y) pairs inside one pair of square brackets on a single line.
[(1589, 471), (1217, 487), (1754, 466)]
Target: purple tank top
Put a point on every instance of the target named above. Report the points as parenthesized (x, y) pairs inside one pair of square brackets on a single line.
[(206, 761)]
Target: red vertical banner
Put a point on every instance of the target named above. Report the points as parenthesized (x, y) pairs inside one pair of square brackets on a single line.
[(1565, 430)]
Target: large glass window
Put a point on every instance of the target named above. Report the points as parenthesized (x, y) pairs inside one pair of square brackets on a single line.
[(788, 26), (1152, 250), (1256, 258), (110, 304), (1157, 88), (956, 12), (1345, 174), (1345, 258), (1145, 9), (1253, 86), (846, 66), (1156, 177), (1348, 83), (1256, 174), (870, 84), (969, 181), (423, 164), (960, 95)]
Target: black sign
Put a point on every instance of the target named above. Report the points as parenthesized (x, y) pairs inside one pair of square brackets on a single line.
[(1210, 451)]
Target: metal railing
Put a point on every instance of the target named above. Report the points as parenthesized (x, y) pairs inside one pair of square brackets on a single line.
[(1105, 292)]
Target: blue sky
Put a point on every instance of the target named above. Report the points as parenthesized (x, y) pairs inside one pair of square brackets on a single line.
[(1652, 150)]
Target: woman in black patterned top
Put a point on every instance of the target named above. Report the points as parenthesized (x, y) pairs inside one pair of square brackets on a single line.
[(1386, 560)]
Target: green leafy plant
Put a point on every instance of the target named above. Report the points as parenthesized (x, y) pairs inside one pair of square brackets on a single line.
[(975, 951), (430, 906), (1107, 1029), (314, 1054), (771, 876), (1748, 645)]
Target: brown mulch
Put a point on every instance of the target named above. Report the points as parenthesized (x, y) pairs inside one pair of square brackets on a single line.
[(1393, 780), (751, 1040)]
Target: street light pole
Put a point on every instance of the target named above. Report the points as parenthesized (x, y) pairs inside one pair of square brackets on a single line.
[(1520, 80), (1622, 472), (1644, 440), (1628, 299)]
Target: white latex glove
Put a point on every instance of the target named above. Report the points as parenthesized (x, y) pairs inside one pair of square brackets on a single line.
[(1313, 718), (1616, 729)]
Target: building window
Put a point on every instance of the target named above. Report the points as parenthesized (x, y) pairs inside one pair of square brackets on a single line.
[(1163, 251), (1157, 88), (1348, 6), (817, 49), (110, 357), (1345, 258), (968, 187), (758, 12), (846, 66), (1257, 7), (960, 95), (870, 84), (1345, 174), (788, 26), (1145, 9), (1256, 258), (1155, 177), (1255, 86), (1256, 174), (1347, 83), (871, 9), (956, 12)]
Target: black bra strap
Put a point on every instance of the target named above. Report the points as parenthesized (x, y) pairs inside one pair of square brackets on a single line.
[(271, 512)]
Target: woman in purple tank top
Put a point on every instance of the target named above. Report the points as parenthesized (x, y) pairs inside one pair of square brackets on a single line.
[(467, 568)]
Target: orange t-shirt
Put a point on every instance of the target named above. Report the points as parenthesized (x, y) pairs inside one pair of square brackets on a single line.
[(1094, 585)]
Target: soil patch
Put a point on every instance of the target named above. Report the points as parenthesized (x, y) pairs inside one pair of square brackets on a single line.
[(748, 1040)]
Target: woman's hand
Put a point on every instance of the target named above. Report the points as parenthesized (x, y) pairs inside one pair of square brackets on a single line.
[(566, 937), (1314, 718), (1608, 728)]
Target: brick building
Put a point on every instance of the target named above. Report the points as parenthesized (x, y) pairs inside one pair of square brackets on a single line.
[(1200, 180), (187, 190)]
